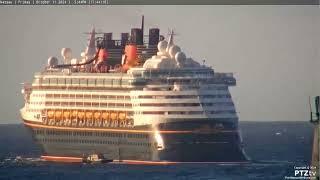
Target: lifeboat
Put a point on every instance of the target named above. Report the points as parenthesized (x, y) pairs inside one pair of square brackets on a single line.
[(74, 114), (122, 116), (81, 114), (97, 115), (66, 114), (113, 115), (58, 114), (105, 115), (50, 114), (89, 115)]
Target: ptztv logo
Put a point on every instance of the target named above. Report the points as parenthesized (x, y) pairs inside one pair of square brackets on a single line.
[(305, 173)]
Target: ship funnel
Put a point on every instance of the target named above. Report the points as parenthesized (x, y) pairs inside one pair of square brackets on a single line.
[(142, 25), (317, 113), (317, 101)]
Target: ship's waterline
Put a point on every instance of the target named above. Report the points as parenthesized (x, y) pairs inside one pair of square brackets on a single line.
[(153, 104)]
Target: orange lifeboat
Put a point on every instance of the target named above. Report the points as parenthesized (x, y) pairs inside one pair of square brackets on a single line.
[(105, 115), (58, 114), (122, 116), (97, 115), (113, 115), (74, 114), (66, 114), (50, 114), (89, 115), (81, 114)]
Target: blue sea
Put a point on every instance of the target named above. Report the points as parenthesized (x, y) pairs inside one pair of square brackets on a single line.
[(274, 148)]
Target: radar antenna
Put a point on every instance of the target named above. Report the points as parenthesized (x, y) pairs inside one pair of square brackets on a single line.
[(170, 41)]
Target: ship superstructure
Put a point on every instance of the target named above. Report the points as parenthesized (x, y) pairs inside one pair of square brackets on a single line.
[(131, 100)]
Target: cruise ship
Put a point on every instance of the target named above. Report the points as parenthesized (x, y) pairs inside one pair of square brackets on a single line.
[(138, 98)]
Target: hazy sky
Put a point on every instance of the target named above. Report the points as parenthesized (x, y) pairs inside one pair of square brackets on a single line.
[(272, 50)]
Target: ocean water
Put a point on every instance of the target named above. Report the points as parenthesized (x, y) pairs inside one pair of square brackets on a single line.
[(273, 147)]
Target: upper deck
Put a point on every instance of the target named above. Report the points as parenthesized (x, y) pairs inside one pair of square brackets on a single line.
[(134, 78)]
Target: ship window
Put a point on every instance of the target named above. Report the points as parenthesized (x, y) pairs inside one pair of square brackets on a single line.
[(116, 82), (103, 104), (153, 112), (91, 81), (99, 82), (95, 96), (65, 95), (36, 80), (45, 81), (68, 81), (125, 82), (84, 82), (61, 81), (75, 81), (53, 81), (79, 96), (88, 96), (126, 97), (111, 104), (108, 82)]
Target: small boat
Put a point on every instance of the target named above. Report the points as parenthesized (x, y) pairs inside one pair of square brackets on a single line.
[(96, 158)]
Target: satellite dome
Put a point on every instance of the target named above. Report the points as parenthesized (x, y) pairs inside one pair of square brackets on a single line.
[(174, 50), (162, 45), (52, 61), (180, 57), (66, 53)]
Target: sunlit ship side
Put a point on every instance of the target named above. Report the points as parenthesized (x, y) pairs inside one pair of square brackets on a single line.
[(132, 101)]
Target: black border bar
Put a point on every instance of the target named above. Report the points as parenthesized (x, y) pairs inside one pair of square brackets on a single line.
[(159, 2)]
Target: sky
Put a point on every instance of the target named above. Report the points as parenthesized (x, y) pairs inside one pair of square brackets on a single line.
[(273, 51)]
